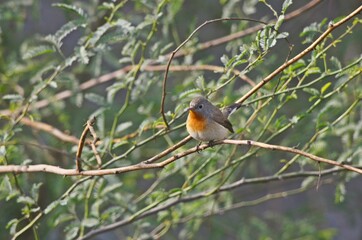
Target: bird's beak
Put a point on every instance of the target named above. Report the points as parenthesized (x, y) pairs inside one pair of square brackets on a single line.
[(190, 109)]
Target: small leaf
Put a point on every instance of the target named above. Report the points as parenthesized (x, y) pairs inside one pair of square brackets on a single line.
[(50, 207), (340, 193), (148, 176), (13, 97), (313, 70), (308, 181), (95, 98), (299, 64), (12, 224), (189, 92), (83, 55), (282, 35), (5, 187), (123, 126), (66, 217), (90, 222), (35, 191), (124, 25), (25, 200), (336, 62), (72, 232), (325, 87), (200, 82), (111, 188), (286, 4), (65, 30), (37, 51), (311, 91), (224, 59), (71, 8)]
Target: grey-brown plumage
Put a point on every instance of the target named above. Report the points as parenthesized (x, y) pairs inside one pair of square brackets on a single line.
[(205, 108)]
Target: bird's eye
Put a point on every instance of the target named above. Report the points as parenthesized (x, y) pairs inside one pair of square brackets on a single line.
[(200, 106)]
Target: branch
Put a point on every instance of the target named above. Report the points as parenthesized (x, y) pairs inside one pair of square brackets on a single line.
[(72, 139), (295, 151), (148, 164), (251, 30), (49, 129), (88, 128), (176, 200), (331, 27), (171, 56), (120, 72)]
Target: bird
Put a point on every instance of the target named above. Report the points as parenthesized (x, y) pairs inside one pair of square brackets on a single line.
[(206, 122)]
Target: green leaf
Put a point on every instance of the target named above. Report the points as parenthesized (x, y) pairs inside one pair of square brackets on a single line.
[(299, 64), (286, 4), (325, 87), (148, 176), (79, 11), (12, 224), (65, 217), (95, 98), (111, 188), (124, 25), (83, 55), (123, 126), (51, 207), (5, 187), (66, 29), (25, 200), (37, 51), (311, 91), (13, 97), (35, 191), (340, 193), (313, 70), (71, 231), (189, 92), (336, 63), (90, 222)]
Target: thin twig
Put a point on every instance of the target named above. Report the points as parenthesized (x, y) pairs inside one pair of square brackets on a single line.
[(176, 200), (171, 56), (248, 31), (72, 139), (120, 72), (89, 124), (49, 129), (312, 46)]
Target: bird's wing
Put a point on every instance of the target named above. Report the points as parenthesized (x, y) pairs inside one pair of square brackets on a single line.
[(220, 119)]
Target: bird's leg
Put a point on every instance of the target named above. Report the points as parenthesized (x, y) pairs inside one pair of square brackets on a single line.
[(198, 147), (211, 143)]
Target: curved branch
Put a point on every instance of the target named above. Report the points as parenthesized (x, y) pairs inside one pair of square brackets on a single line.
[(148, 164), (173, 53), (330, 28), (200, 195), (120, 72)]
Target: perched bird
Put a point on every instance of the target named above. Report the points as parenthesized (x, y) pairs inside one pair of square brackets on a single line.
[(206, 122)]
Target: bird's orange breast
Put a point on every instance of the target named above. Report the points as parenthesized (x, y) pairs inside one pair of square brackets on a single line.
[(196, 122)]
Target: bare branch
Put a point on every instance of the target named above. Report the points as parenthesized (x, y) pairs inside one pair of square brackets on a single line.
[(120, 72), (87, 128), (147, 164), (49, 129), (330, 28), (171, 56), (176, 200)]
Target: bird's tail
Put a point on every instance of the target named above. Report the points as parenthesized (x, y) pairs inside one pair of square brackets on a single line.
[(227, 111)]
